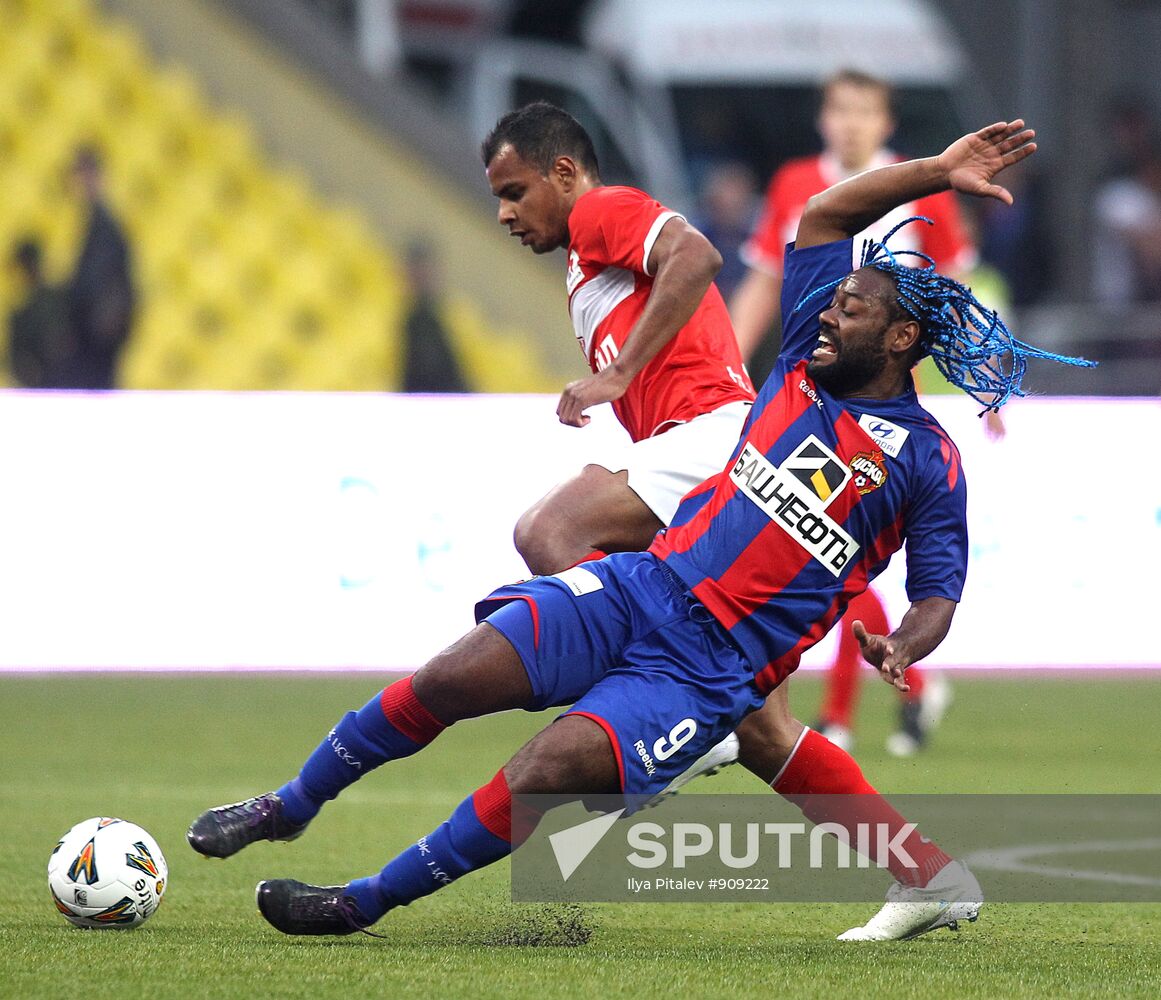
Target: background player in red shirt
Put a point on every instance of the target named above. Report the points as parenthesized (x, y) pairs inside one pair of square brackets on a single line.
[(855, 121)]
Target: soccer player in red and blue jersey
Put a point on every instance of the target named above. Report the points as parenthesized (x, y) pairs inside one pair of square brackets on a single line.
[(662, 653), (855, 120), (654, 330)]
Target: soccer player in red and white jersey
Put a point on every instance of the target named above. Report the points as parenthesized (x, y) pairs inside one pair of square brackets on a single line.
[(650, 323), (855, 121)]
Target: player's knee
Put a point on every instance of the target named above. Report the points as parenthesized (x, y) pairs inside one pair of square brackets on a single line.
[(571, 757), (478, 674), (535, 538), (537, 774), (524, 534), (439, 689)]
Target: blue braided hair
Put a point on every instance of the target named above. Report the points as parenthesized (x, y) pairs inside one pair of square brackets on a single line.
[(969, 343)]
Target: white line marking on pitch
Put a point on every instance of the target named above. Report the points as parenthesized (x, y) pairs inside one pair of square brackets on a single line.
[(1017, 859)]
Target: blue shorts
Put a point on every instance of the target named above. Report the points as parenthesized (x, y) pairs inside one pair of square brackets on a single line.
[(624, 641)]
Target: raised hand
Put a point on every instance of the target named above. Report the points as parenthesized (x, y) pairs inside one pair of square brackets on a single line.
[(972, 161)]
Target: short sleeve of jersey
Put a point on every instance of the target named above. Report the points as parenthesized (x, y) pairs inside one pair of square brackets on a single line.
[(947, 241), (617, 226), (806, 270), (936, 529)]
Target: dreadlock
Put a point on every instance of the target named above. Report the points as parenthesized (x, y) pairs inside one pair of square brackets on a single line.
[(969, 343)]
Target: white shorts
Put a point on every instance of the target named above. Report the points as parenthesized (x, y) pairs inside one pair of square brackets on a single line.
[(663, 468)]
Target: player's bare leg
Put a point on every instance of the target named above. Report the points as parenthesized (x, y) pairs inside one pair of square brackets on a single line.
[(477, 675), (572, 757), (595, 511), (767, 738)]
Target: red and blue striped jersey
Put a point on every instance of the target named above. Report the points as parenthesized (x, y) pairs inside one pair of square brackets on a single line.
[(817, 496)]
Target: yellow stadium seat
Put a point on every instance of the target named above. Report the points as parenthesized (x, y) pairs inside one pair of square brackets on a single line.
[(247, 278)]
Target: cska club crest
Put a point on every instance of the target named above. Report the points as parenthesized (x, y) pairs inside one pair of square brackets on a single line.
[(870, 471)]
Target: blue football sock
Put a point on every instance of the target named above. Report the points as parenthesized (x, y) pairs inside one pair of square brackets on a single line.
[(456, 847), (359, 743)]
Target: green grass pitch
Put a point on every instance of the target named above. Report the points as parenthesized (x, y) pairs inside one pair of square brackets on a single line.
[(158, 749)]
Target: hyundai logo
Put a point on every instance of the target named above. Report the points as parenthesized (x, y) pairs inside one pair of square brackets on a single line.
[(881, 430)]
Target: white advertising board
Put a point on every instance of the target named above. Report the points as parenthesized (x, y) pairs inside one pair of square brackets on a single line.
[(219, 531)]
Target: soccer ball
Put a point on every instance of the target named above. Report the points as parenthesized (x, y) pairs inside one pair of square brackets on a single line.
[(107, 873)]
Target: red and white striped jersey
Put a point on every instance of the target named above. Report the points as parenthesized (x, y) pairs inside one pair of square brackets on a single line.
[(612, 231)]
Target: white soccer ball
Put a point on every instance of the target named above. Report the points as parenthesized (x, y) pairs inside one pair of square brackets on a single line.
[(107, 873)]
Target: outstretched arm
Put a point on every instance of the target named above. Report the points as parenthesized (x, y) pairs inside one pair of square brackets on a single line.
[(684, 264), (754, 307), (968, 165), (921, 630)]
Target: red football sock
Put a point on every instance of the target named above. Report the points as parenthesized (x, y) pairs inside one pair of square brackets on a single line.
[(406, 713), (513, 822), (842, 680), (829, 787)]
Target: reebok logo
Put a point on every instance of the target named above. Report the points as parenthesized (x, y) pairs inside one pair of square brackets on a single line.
[(650, 766), (810, 392), (572, 846)]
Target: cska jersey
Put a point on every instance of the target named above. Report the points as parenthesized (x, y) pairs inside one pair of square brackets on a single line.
[(798, 181), (611, 234), (817, 495)]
